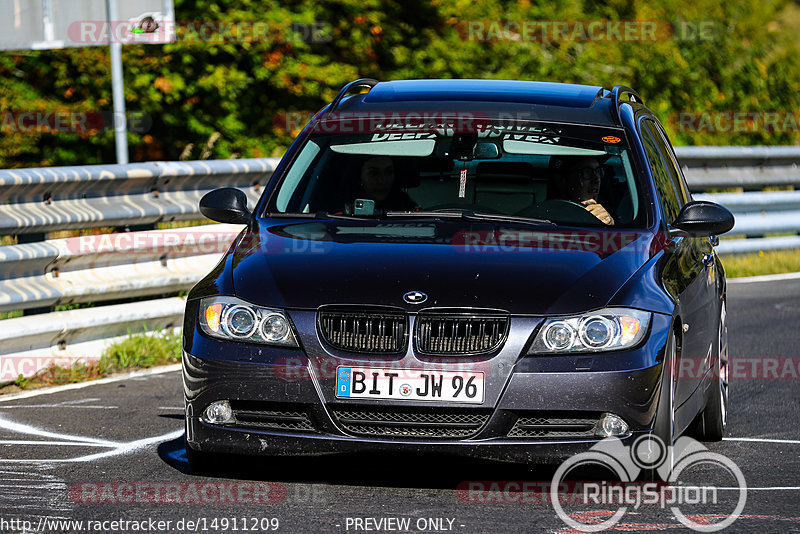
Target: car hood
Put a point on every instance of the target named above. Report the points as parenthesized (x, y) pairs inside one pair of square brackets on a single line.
[(523, 270)]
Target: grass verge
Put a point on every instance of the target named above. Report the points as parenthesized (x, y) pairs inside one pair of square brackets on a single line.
[(137, 351), (761, 263)]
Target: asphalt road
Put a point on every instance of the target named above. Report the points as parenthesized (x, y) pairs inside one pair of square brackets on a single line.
[(105, 452)]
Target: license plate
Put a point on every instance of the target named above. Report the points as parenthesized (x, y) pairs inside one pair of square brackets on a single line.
[(407, 384)]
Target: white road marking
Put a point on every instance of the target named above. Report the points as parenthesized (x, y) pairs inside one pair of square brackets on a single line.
[(774, 488), (90, 407), (122, 448), (57, 443), (116, 448), (36, 492), (31, 430), (81, 385), (764, 278), (130, 447), (766, 440)]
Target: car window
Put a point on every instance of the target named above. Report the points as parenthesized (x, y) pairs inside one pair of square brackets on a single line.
[(665, 180), (512, 168), (673, 166)]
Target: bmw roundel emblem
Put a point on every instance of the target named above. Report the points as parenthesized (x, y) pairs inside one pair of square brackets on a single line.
[(415, 297)]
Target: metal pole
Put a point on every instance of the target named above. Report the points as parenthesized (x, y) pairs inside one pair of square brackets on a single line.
[(47, 21), (117, 84)]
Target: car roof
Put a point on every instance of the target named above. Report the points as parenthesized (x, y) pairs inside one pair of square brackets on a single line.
[(530, 100)]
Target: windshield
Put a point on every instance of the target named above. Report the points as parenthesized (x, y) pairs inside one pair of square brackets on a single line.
[(554, 174)]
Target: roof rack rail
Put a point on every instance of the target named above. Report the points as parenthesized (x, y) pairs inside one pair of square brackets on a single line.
[(361, 82), (617, 95)]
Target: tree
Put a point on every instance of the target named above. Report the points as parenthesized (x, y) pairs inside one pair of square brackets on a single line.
[(220, 99)]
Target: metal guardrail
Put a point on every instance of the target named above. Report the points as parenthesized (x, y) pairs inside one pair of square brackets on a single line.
[(29, 344), (758, 213), (158, 262), (109, 266), (750, 168), (65, 198)]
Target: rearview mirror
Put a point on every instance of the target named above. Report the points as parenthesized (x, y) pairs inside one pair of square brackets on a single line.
[(486, 150), (702, 219), (225, 205)]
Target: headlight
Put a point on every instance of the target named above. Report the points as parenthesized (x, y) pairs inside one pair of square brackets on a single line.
[(232, 318), (607, 329)]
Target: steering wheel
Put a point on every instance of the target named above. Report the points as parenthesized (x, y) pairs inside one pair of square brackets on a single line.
[(562, 211), (460, 207)]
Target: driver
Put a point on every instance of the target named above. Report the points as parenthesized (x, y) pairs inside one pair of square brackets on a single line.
[(582, 182)]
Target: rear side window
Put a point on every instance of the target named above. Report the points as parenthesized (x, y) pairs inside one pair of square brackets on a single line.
[(664, 174)]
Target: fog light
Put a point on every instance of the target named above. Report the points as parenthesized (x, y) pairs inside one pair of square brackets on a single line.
[(218, 413), (610, 425)]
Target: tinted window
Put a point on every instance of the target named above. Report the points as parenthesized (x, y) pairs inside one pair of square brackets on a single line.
[(516, 169), (672, 164), (665, 180)]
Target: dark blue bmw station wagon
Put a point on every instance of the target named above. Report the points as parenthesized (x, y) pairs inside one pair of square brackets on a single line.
[(499, 269)]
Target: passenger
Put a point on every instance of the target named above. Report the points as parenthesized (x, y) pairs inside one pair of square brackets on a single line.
[(377, 182)]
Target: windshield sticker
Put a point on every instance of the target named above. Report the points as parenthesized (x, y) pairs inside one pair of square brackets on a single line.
[(462, 186), (611, 139), (532, 138)]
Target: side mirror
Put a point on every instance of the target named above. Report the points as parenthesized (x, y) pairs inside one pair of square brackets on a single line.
[(225, 205), (702, 219)]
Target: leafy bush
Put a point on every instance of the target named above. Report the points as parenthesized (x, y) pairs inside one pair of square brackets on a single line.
[(223, 100), (137, 351)]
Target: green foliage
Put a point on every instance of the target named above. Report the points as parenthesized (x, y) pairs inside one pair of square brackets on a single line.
[(21, 382), (762, 263), (142, 351), (137, 351), (227, 99)]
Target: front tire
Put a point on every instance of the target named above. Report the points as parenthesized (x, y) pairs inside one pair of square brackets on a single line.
[(664, 424), (712, 421)]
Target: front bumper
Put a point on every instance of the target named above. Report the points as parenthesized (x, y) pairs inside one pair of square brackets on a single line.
[(626, 384), (237, 441)]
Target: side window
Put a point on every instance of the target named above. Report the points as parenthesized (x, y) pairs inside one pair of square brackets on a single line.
[(665, 184), (673, 166)]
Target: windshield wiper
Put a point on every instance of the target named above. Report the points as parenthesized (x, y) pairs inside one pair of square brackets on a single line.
[(468, 215), (497, 217), (347, 217)]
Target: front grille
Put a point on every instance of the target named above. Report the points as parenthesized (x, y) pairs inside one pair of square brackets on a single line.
[(364, 331), (411, 422), (553, 427), (460, 334), (269, 416)]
